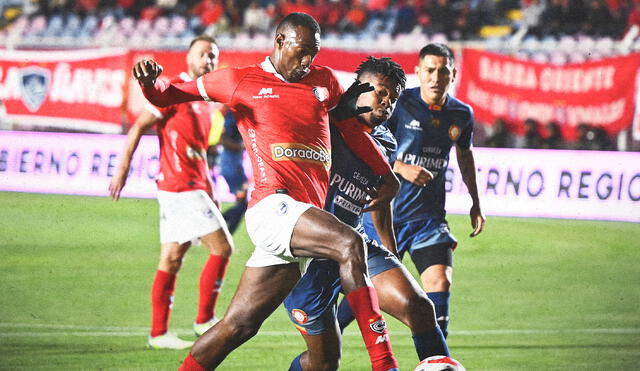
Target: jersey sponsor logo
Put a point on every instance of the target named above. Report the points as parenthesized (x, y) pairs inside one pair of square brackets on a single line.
[(299, 152), (454, 132), (266, 93), (174, 145), (299, 316), (414, 125), (435, 122), (347, 205), (256, 153), (346, 187), (431, 163), (34, 85), (320, 93), (378, 326), (194, 153)]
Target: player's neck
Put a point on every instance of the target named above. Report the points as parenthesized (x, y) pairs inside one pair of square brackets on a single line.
[(434, 102)]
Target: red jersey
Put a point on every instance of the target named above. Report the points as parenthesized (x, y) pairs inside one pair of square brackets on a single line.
[(183, 133), (284, 125)]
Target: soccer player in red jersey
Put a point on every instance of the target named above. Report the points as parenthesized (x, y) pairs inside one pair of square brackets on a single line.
[(187, 207), (282, 106)]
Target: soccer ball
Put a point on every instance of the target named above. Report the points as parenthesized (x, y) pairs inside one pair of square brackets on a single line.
[(439, 363)]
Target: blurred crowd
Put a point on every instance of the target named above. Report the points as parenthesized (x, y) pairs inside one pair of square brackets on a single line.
[(455, 19), (547, 136)]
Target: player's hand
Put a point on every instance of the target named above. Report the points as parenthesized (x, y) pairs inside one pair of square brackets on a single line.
[(413, 173), (146, 71), (117, 183), (347, 107), (385, 193), (477, 220)]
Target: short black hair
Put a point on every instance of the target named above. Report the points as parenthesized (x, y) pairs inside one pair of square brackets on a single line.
[(299, 19), (202, 38), (384, 66), (440, 50)]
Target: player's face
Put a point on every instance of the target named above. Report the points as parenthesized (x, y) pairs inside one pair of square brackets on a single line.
[(296, 49), (202, 58), (382, 99), (435, 75)]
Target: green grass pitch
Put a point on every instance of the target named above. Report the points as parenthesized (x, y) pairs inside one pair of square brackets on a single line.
[(528, 294)]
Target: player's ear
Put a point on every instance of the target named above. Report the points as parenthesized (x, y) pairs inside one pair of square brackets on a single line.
[(279, 40), (453, 74)]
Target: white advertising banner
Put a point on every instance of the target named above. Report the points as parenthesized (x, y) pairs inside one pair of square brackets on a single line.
[(511, 182), (79, 164), (551, 183)]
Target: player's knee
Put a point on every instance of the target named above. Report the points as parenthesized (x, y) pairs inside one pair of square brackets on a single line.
[(223, 249), (171, 262), (219, 243), (242, 330), (437, 283), (353, 248)]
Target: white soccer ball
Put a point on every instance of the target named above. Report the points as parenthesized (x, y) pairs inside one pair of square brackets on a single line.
[(439, 363)]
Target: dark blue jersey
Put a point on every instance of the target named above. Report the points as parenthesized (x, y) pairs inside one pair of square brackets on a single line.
[(350, 177), (425, 135)]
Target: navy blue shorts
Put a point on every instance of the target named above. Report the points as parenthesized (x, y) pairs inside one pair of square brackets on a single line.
[(417, 235), (424, 233), (316, 294)]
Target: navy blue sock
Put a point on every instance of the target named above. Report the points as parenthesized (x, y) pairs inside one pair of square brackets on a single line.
[(430, 343), (345, 315), (441, 302), (295, 364), (233, 215)]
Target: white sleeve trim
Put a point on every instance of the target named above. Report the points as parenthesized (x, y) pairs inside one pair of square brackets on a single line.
[(154, 110), (201, 90)]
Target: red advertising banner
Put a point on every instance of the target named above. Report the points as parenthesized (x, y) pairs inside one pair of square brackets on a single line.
[(92, 90), (79, 89), (598, 93)]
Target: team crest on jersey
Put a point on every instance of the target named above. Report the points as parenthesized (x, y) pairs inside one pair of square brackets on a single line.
[(34, 84), (435, 122), (454, 132), (378, 326), (300, 316), (320, 93)]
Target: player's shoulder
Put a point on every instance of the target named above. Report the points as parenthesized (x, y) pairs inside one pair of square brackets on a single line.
[(385, 139), (411, 98), (456, 104), (322, 73)]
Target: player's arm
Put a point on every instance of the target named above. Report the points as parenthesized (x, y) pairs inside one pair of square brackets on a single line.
[(142, 124), (366, 149), (163, 94), (467, 165), (417, 175), (383, 222)]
